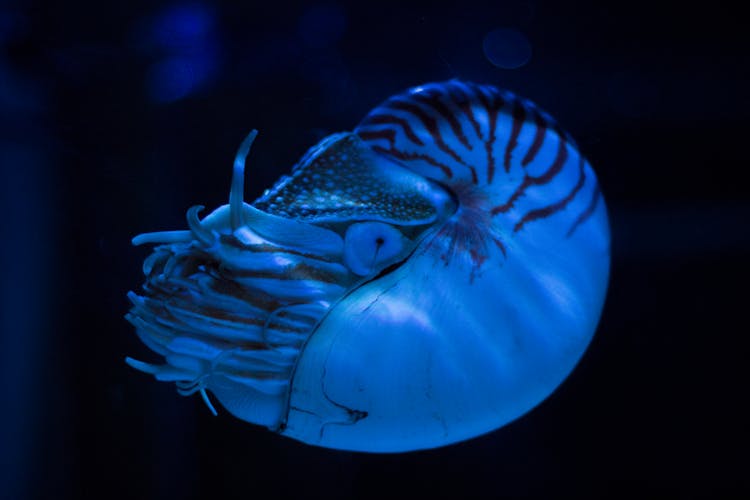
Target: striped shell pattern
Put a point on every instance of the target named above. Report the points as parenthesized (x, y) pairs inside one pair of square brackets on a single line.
[(422, 280)]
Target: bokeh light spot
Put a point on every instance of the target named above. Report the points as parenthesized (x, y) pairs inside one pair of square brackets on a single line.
[(171, 79), (182, 26), (185, 39), (507, 48)]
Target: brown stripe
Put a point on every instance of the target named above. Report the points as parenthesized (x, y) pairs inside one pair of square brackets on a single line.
[(186, 289), (378, 119), (202, 275), (402, 155), (430, 124), (543, 212), (163, 315), (586, 213), (256, 298), (500, 245), (465, 105), (474, 178), (433, 100), (536, 145), (212, 312), (261, 374), (560, 159), (232, 241), (295, 272), (528, 180), (492, 108), (518, 114), (387, 134)]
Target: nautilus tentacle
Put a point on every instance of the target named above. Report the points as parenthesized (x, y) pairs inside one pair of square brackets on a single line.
[(425, 279)]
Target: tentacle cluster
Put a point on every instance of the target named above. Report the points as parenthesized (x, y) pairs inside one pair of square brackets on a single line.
[(221, 301), (230, 302)]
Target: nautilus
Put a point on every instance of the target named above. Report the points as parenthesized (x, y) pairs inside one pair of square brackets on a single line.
[(422, 280)]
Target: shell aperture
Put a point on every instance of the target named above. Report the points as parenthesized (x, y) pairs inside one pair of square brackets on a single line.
[(423, 280)]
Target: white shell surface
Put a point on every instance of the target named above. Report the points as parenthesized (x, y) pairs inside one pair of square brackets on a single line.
[(427, 355)]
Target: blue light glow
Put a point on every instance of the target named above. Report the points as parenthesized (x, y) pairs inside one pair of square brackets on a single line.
[(507, 48), (172, 79), (186, 36), (182, 27)]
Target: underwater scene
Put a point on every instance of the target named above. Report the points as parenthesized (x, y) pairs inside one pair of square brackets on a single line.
[(344, 250)]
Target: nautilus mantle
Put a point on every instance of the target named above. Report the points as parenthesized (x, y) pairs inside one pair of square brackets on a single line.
[(424, 279)]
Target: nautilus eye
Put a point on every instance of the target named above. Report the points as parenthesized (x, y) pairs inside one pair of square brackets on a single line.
[(369, 244), (422, 280)]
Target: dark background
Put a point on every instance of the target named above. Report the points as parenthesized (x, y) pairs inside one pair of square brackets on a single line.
[(115, 117)]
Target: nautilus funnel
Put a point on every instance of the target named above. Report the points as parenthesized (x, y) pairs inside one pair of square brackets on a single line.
[(422, 280)]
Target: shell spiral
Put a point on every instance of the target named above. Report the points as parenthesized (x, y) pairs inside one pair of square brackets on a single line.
[(423, 280)]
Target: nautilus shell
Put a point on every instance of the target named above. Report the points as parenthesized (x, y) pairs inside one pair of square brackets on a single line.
[(424, 279)]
